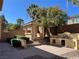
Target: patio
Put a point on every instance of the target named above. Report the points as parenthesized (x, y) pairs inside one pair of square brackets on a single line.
[(36, 52)]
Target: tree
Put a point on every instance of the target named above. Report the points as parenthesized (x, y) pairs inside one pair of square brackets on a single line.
[(74, 2), (11, 27), (56, 16), (4, 21), (32, 11), (20, 22), (14, 27), (52, 16)]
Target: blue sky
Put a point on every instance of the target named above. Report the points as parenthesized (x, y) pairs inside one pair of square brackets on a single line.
[(14, 9)]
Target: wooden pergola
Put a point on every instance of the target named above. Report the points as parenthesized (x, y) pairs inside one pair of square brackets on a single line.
[(1, 3)]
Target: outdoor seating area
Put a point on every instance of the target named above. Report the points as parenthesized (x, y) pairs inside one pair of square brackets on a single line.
[(66, 39)]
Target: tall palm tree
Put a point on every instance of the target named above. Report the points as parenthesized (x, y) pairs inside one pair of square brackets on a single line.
[(20, 22), (52, 16), (4, 22), (42, 19), (32, 10), (47, 17), (74, 2)]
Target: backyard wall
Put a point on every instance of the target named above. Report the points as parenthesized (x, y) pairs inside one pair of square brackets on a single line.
[(74, 28), (4, 35), (17, 32)]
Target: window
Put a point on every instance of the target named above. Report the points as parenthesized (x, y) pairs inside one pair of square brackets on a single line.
[(77, 20), (63, 42), (28, 31), (54, 41)]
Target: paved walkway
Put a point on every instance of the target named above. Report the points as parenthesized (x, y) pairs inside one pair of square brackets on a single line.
[(60, 51), (40, 51)]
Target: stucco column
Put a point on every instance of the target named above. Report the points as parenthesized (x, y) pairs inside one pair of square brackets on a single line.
[(77, 44), (1, 30), (41, 30), (34, 31)]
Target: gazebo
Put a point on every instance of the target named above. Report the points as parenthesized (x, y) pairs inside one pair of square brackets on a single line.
[(1, 3)]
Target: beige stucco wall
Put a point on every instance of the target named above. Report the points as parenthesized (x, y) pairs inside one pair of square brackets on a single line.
[(33, 27), (77, 44), (34, 30), (56, 40), (70, 43)]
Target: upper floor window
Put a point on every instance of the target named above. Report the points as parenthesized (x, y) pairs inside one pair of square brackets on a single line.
[(29, 29)]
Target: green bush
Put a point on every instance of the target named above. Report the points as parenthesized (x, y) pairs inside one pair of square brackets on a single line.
[(16, 43), (22, 37)]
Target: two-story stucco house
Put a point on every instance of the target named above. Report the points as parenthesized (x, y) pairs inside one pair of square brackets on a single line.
[(31, 30)]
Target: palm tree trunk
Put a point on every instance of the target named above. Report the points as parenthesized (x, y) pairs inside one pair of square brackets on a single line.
[(74, 3), (67, 3), (49, 32)]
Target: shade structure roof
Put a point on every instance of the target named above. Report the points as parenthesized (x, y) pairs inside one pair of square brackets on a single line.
[(1, 3)]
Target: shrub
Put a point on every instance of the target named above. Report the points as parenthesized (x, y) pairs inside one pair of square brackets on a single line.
[(16, 43), (9, 40), (25, 38)]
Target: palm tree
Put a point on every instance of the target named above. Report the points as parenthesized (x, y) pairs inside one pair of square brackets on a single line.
[(52, 16), (20, 22), (74, 2), (32, 10), (11, 27), (47, 17), (4, 22)]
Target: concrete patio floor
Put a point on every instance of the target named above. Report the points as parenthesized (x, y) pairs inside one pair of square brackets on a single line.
[(47, 51)]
